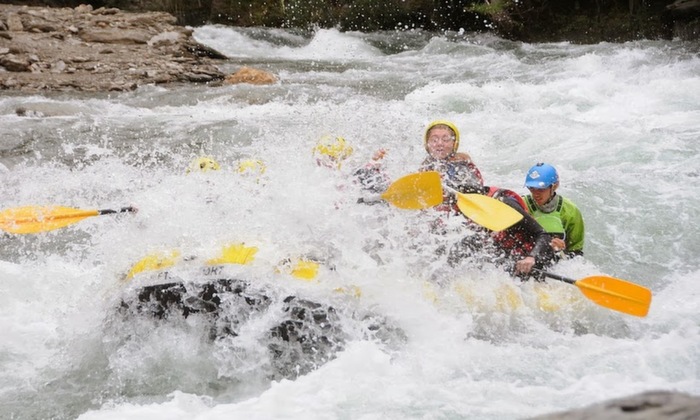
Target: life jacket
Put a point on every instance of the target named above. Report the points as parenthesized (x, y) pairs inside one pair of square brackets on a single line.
[(550, 222), (495, 192), (449, 169), (515, 242)]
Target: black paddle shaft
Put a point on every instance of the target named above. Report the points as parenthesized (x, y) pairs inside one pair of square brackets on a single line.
[(555, 276), (121, 210)]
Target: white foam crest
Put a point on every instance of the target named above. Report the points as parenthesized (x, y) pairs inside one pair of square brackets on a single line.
[(181, 406), (331, 45), (325, 45), (233, 43)]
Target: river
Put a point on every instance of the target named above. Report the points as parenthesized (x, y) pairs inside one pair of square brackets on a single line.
[(621, 122)]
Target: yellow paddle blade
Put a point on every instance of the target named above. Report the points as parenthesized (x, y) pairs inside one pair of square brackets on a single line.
[(487, 211), (154, 262), (301, 268), (430, 292), (34, 219), (352, 291), (503, 298), (616, 294), (508, 298), (305, 270), (415, 191), (235, 254), (545, 302)]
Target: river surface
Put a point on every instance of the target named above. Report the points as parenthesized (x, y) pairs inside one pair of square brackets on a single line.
[(621, 122)]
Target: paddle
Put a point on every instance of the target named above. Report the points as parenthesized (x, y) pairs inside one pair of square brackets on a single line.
[(415, 191), (610, 292), (424, 189), (487, 211), (34, 219)]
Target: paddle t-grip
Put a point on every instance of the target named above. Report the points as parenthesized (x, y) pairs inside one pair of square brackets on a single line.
[(121, 210)]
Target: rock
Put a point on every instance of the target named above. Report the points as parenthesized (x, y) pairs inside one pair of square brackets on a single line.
[(81, 49), (684, 6), (112, 11), (83, 8), (11, 63), (252, 76), (646, 406), (165, 38), (13, 23), (24, 112), (204, 51), (686, 19), (58, 67), (108, 36), (198, 77)]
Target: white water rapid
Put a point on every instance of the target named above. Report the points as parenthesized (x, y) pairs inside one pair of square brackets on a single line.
[(621, 122)]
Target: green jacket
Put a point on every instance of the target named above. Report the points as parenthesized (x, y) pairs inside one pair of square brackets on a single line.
[(564, 221)]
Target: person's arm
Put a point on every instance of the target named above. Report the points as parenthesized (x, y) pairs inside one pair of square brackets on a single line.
[(466, 160), (464, 177), (574, 227), (541, 250), (371, 176)]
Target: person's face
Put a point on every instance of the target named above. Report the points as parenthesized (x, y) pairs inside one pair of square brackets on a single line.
[(441, 142), (542, 195)]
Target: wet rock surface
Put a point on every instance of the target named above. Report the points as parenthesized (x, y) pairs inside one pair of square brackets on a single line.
[(650, 405)]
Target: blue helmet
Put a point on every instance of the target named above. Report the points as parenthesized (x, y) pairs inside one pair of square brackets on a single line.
[(542, 175)]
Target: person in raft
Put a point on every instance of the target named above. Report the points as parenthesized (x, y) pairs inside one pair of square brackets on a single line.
[(458, 172), (333, 151), (559, 216), (519, 248)]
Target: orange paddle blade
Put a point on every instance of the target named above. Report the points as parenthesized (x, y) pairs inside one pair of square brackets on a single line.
[(616, 294), (34, 219), (416, 191)]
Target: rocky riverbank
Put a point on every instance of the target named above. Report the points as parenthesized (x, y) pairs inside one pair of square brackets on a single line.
[(81, 49)]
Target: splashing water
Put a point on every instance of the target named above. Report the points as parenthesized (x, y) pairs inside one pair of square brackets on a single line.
[(619, 121)]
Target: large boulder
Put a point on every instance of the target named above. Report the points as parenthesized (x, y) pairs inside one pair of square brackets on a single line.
[(252, 76), (646, 406)]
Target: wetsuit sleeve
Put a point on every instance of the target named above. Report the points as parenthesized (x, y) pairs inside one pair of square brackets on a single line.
[(463, 176), (372, 178), (572, 220), (477, 173), (541, 249)]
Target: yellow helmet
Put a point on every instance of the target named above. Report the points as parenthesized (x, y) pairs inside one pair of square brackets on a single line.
[(203, 164), (253, 167), (332, 150), (447, 124)]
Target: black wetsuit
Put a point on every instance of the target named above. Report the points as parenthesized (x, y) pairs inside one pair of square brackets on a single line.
[(523, 239)]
